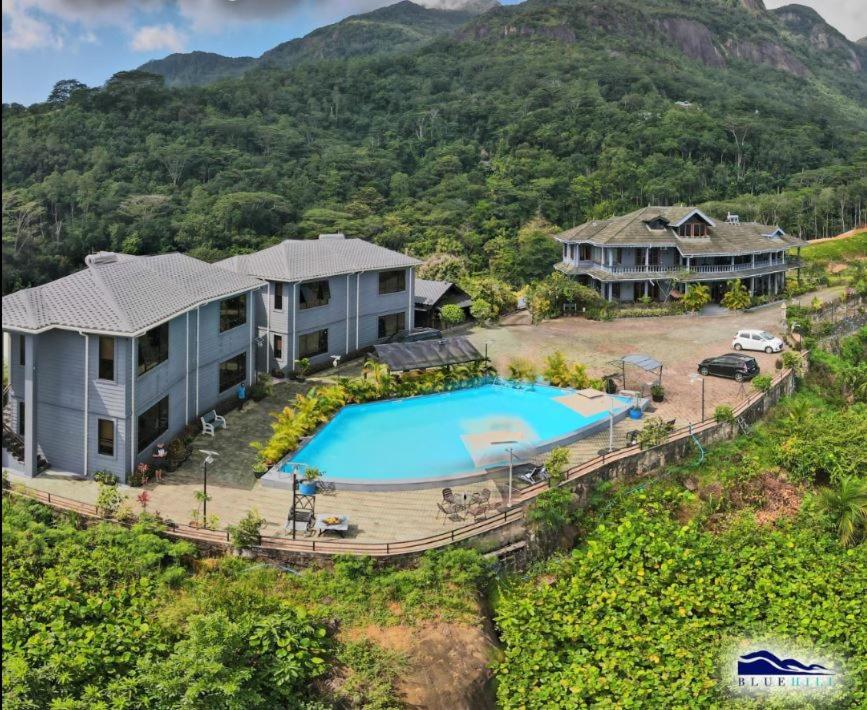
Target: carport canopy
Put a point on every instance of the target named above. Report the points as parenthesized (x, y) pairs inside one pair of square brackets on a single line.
[(643, 362), (424, 354)]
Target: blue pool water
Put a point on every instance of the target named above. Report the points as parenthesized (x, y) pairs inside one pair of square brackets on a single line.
[(438, 435)]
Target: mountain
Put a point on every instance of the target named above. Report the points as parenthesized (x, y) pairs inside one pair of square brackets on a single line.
[(806, 25), (524, 117), (391, 29), (197, 68)]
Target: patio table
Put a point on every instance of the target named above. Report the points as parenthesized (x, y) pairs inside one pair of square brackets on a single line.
[(341, 528)]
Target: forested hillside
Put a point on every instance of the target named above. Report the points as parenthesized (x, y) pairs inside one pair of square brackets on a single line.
[(552, 111)]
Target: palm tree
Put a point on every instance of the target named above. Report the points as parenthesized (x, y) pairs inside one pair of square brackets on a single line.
[(847, 505)]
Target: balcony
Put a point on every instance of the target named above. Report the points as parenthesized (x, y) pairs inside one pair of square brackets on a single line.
[(697, 272)]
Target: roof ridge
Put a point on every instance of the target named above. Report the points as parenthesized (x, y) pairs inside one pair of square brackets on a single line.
[(92, 270)]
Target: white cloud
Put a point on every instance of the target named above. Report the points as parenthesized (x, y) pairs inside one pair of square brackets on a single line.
[(24, 30), (153, 38)]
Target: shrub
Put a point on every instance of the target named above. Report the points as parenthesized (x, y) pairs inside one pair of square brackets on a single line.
[(551, 510), (140, 475), (496, 293), (246, 533), (545, 298), (762, 383), (106, 477), (696, 298), (793, 361), (452, 314), (736, 297), (723, 413), (108, 500), (654, 432), (560, 373), (481, 310), (556, 463), (657, 392), (263, 387), (522, 369)]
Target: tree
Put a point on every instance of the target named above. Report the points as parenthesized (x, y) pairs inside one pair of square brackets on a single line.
[(696, 298), (63, 91), (444, 267), (846, 503), (736, 297), (452, 314)]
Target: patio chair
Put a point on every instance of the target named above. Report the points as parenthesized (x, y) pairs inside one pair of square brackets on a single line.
[(212, 421), (448, 496), (479, 511), (536, 475), (450, 512), (302, 521)]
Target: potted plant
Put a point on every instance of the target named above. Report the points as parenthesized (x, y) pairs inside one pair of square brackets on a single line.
[(260, 468), (301, 367), (657, 392), (307, 487)]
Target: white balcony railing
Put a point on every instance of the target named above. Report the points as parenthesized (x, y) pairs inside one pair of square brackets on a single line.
[(675, 268)]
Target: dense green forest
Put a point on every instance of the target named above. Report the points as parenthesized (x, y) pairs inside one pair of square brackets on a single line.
[(547, 111)]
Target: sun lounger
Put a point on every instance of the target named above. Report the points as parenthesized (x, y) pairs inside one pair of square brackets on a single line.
[(537, 475)]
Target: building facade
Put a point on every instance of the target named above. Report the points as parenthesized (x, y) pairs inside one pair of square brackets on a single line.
[(108, 361), (326, 298), (657, 252)]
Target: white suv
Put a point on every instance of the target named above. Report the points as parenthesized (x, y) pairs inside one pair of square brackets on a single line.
[(757, 340)]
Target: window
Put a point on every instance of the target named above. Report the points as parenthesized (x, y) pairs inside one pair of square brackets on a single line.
[(313, 294), (22, 357), (278, 347), (391, 324), (392, 281), (21, 428), (233, 312), (313, 344), (153, 348), (693, 229), (153, 423), (278, 296), (106, 357), (233, 371), (105, 437)]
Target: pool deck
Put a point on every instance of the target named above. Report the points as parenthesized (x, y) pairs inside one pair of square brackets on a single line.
[(375, 516)]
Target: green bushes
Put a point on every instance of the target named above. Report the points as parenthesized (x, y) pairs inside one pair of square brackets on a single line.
[(654, 432), (246, 533), (736, 297), (639, 614), (545, 298), (723, 413), (452, 314), (522, 370), (561, 373), (696, 297), (762, 383)]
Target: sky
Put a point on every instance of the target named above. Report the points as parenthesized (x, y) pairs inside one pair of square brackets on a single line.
[(89, 40)]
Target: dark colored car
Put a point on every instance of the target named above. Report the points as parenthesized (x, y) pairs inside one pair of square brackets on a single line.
[(738, 367), (414, 335)]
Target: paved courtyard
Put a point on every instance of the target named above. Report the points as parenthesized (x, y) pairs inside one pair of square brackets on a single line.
[(678, 341)]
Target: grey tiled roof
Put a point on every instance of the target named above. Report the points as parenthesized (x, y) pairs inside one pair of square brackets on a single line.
[(428, 292), (632, 230), (122, 294), (305, 259)]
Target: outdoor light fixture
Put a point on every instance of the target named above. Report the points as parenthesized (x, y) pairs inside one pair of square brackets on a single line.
[(511, 451), (209, 458)]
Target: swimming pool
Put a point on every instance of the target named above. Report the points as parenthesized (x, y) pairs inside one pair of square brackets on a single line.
[(450, 435)]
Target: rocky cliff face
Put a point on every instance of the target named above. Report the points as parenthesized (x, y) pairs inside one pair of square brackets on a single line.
[(807, 25)]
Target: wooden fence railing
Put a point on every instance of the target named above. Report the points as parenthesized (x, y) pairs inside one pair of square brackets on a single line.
[(313, 546)]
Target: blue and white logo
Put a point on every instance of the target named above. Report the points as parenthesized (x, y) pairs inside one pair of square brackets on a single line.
[(765, 664), (773, 668)]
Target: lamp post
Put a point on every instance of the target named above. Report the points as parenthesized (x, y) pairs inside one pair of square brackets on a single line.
[(511, 451), (698, 378), (209, 458)]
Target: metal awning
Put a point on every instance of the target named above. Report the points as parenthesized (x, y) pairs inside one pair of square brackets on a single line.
[(424, 354), (643, 362)]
